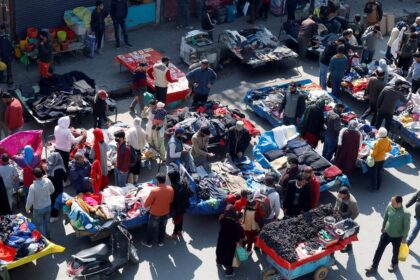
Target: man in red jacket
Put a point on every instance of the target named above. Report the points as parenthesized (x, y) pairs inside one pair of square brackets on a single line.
[(314, 185), (122, 165), (13, 116)]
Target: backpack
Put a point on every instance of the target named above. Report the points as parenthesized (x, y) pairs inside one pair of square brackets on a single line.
[(264, 205), (134, 157)]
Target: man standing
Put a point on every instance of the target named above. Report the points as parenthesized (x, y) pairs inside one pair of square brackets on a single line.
[(162, 75), (314, 185), (415, 199), (119, 12), (374, 13), (374, 87), (293, 105), (175, 152), (183, 15), (414, 73), (271, 213), (370, 38), (338, 67), (333, 123), (6, 53), (238, 140), (13, 115), (308, 29), (394, 230), (324, 61), (387, 102), (39, 199), (139, 87), (122, 164), (97, 24), (200, 143), (346, 205), (136, 138), (202, 80), (158, 203), (313, 123), (45, 56), (298, 197)]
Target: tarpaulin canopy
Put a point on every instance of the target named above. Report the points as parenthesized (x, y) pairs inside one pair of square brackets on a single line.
[(13, 144)]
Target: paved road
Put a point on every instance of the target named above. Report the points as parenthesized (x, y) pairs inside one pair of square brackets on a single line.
[(194, 258)]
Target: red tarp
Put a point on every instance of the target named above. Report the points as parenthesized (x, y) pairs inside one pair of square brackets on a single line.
[(287, 265), (176, 91)]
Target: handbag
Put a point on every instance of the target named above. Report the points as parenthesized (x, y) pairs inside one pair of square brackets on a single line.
[(241, 254)]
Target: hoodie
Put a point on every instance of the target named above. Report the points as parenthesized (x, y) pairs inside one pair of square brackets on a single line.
[(39, 194), (64, 139)]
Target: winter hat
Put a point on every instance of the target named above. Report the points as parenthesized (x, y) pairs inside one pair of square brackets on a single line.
[(102, 94), (353, 125), (382, 133), (160, 105)]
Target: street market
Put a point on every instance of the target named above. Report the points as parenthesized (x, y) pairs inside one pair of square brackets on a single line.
[(210, 169)]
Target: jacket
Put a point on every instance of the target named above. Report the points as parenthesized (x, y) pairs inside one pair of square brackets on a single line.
[(370, 39), (199, 145), (297, 199), (338, 66), (380, 148), (123, 157), (308, 29), (388, 98), (79, 175), (300, 105), (39, 194), (396, 222), (315, 191), (174, 150), (347, 209), (206, 23), (97, 20), (161, 74), (119, 9), (333, 124), (203, 78), (374, 88), (415, 199), (159, 200), (237, 144), (64, 139), (13, 116), (6, 49), (313, 120), (329, 51), (100, 108), (181, 200), (45, 52)]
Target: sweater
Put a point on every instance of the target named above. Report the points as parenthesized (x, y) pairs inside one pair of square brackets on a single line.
[(161, 74), (294, 105), (139, 80), (388, 98), (380, 148), (396, 222), (203, 78), (415, 199), (338, 66), (159, 200), (123, 157), (39, 194), (13, 116), (374, 88), (370, 39), (297, 199), (119, 9), (347, 208), (199, 145)]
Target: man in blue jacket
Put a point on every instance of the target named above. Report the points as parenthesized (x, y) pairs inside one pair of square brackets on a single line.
[(79, 173), (119, 11), (338, 67), (201, 80)]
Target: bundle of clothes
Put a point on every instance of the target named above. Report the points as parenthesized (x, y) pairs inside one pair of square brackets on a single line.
[(18, 238), (71, 94), (88, 211), (409, 115), (216, 117)]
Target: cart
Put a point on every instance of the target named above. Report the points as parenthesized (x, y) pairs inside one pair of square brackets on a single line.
[(196, 46), (318, 264), (176, 91)]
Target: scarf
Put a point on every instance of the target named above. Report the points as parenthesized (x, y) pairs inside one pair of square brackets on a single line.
[(99, 138), (28, 154), (54, 162)]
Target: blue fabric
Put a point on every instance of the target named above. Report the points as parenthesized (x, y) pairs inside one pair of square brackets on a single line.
[(28, 154), (337, 67)]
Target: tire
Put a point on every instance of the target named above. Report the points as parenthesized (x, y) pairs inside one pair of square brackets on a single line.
[(321, 273)]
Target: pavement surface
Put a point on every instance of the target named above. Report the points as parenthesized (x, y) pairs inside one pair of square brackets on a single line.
[(194, 258)]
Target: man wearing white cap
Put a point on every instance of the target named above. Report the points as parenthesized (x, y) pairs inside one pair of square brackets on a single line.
[(238, 140), (201, 80)]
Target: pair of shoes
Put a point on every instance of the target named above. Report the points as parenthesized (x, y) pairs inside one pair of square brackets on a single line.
[(230, 275), (53, 219), (392, 268), (148, 245), (371, 270), (161, 244)]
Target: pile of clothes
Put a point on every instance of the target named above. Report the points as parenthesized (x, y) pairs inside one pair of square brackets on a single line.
[(216, 117), (71, 94), (409, 115), (18, 238), (88, 211)]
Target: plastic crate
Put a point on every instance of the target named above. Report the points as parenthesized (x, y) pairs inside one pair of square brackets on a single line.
[(348, 232)]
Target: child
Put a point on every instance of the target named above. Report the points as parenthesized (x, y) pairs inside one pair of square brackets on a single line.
[(157, 135), (139, 87), (250, 225), (100, 108), (241, 203)]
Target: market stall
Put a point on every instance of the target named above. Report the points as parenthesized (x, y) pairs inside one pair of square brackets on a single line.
[(273, 147), (196, 46), (305, 244), (176, 91), (22, 243)]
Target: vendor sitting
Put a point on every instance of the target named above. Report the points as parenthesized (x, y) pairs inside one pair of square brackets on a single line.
[(238, 140), (79, 173), (200, 143), (175, 152)]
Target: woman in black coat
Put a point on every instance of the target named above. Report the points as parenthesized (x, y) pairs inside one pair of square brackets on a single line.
[(56, 172), (180, 203), (231, 232)]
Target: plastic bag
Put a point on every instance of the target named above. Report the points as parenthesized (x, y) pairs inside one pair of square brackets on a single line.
[(241, 254), (404, 251)]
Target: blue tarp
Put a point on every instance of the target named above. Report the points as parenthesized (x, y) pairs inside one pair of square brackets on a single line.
[(407, 135)]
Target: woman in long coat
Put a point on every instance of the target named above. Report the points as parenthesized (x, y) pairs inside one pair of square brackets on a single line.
[(349, 141)]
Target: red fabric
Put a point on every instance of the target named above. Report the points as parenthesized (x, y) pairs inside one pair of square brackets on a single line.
[(99, 138), (7, 253), (248, 125), (104, 182), (123, 158), (36, 235), (231, 198), (134, 211), (332, 171), (169, 77), (285, 264), (13, 116), (28, 177), (96, 197), (44, 69), (78, 147), (200, 109), (311, 139), (360, 84), (240, 204), (315, 191), (96, 175)]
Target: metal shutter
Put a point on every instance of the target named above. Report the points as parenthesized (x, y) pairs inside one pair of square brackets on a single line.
[(43, 13)]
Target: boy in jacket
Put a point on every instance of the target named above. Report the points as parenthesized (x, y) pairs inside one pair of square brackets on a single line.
[(97, 24)]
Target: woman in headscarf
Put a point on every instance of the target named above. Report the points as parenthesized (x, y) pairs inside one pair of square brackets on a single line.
[(98, 152), (136, 138), (28, 161), (180, 203), (381, 146), (349, 141), (56, 172), (230, 233)]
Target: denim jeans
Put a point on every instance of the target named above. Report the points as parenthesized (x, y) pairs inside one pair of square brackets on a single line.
[(323, 73), (414, 233), (41, 219), (335, 86), (156, 226), (120, 178), (383, 243), (376, 174), (330, 145)]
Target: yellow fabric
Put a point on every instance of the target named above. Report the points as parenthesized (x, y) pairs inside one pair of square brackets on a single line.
[(380, 148), (3, 66), (84, 14), (403, 253), (279, 163)]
